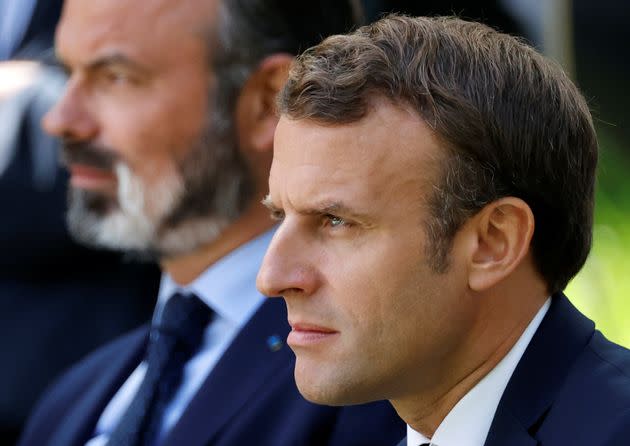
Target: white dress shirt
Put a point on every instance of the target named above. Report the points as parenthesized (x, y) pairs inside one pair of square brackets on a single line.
[(229, 288), (468, 422)]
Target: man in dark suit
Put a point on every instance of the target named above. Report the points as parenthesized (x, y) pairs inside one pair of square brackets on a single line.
[(167, 124), (435, 200)]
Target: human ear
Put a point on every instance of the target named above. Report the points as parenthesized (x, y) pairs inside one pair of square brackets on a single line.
[(256, 116), (503, 230)]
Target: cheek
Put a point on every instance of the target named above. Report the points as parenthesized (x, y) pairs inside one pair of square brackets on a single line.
[(394, 296), (154, 126), (154, 172), (151, 155), (372, 290)]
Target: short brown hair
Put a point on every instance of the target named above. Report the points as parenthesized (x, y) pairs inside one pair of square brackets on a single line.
[(511, 122)]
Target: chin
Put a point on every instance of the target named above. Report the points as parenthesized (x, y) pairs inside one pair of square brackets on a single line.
[(317, 396), (127, 221), (330, 389), (114, 231)]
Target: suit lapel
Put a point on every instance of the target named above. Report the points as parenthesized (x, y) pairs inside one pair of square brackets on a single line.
[(561, 337), (80, 422), (244, 368), (507, 430)]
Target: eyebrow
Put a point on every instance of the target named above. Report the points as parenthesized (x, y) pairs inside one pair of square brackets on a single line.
[(327, 207), (115, 58)]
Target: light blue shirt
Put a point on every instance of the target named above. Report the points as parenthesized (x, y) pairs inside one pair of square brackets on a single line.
[(229, 288)]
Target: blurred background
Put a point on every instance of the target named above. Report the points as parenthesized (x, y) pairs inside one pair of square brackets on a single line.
[(47, 282)]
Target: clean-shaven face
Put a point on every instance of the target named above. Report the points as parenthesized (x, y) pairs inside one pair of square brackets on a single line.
[(370, 319)]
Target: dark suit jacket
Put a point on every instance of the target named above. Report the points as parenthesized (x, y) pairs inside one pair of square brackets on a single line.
[(38, 37), (249, 398), (570, 388)]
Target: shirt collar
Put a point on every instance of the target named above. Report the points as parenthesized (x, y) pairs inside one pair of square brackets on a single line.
[(227, 286), (468, 423), (415, 438)]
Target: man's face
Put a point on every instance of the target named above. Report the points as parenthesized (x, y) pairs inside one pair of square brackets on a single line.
[(370, 319), (138, 141)]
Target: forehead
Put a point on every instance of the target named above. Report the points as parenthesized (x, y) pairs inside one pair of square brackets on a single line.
[(388, 150), (151, 29)]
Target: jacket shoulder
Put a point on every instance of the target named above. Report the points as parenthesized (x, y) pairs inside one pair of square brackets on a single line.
[(606, 373), (593, 405), (73, 383), (616, 356)]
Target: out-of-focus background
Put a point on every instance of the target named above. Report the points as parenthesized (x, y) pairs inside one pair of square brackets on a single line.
[(59, 300)]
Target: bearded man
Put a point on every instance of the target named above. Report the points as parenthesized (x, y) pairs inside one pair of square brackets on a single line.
[(167, 123)]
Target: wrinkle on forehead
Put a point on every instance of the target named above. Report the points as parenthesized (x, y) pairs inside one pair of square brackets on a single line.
[(103, 22), (388, 133), (146, 15), (371, 160)]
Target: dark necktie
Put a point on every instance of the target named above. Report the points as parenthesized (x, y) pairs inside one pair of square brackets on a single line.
[(173, 340)]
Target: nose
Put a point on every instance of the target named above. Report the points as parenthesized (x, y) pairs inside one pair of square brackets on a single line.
[(288, 267), (70, 118)]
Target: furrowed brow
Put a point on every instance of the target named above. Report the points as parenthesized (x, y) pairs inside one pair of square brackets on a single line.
[(335, 208), (115, 59)]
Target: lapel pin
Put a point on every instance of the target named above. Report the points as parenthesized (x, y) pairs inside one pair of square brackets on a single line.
[(274, 343)]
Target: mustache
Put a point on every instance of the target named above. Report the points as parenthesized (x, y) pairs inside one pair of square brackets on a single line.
[(88, 154)]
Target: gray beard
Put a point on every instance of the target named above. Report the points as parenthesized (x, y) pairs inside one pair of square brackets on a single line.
[(190, 207)]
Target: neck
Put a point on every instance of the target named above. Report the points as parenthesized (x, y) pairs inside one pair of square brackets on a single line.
[(499, 328), (185, 268)]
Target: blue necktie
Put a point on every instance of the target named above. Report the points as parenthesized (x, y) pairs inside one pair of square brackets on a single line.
[(173, 340)]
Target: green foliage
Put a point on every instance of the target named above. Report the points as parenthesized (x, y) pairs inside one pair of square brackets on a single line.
[(602, 289)]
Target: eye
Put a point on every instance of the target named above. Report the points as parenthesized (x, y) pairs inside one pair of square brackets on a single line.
[(116, 77), (277, 215), (335, 221)]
